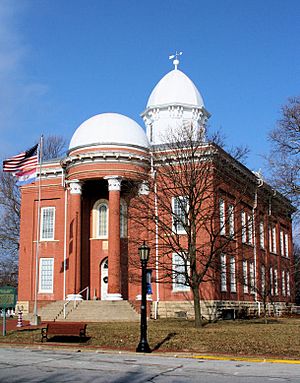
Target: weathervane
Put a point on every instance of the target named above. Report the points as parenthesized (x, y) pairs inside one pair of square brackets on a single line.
[(175, 56)]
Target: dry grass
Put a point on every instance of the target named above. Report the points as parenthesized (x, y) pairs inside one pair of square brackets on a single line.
[(279, 338)]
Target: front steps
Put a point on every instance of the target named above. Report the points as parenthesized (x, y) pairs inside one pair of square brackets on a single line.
[(89, 311)]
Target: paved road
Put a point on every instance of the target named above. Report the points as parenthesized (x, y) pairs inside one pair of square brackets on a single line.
[(36, 365)]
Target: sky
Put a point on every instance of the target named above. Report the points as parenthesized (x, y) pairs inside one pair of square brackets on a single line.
[(63, 61)]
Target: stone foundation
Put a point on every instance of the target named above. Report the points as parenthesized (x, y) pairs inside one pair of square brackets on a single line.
[(212, 310)]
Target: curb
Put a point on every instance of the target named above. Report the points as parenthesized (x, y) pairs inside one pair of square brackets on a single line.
[(78, 348), (244, 359)]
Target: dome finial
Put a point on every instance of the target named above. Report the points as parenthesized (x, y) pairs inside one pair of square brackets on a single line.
[(175, 56)]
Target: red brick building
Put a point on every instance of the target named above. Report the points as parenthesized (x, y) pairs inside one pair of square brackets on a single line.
[(86, 237)]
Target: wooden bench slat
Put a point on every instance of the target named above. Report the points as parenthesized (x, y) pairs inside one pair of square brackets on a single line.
[(64, 329)]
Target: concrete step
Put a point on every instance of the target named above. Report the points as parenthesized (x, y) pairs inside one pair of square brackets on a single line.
[(89, 311)]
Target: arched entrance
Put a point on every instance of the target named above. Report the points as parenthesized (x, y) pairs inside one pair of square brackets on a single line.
[(104, 279)]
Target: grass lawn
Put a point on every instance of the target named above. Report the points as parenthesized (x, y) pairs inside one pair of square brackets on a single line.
[(279, 338)]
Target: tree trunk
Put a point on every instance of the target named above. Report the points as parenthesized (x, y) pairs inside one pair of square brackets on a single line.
[(265, 311), (197, 307)]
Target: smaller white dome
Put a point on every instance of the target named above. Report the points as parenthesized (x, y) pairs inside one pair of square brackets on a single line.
[(109, 128), (175, 88)]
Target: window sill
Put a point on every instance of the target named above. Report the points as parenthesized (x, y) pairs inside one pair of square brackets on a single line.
[(47, 240), (181, 290)]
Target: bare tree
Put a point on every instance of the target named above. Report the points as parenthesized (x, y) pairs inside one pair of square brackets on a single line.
[(54, 147), (262, 287), (297, 273), (10, 213), (284, 159), (183, 211), (239, 152)]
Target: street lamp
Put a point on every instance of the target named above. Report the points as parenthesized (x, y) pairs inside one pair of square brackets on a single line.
[(143, 346)]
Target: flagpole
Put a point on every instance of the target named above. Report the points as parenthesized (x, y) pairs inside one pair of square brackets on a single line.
[(36, 319)]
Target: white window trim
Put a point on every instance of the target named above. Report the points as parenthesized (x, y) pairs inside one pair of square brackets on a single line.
[(177, 287), (223, 273), (244, 229), (275, 282), (286, 245), (250, 229), (262, 234), (232, 275), (263, 279), (270, 240), (283, 286), (123, 219), (245, 277), (46, 291), (42, 224), (222, 217), (271, 281), (274, 240), (231, 220), (288, 288), (252, 277), (174, 215), (282, 253), (95, 215)]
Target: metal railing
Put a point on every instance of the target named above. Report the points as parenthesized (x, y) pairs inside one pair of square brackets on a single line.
[(87, 289), (76, 303)]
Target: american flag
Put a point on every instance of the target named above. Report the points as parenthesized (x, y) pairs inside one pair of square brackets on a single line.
[(25, 160)]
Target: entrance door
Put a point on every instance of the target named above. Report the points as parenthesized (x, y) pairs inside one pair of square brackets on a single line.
[(104, 279)]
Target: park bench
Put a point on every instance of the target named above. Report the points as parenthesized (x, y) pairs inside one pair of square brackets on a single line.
[(64, 329)]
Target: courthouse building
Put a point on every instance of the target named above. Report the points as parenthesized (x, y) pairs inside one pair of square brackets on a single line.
[(85, 236)]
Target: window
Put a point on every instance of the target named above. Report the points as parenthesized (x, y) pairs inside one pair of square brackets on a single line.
[(222, 217), (244, 232), (282, 243), (288, 289), (275, 282), (180, 270), (232, 275), (262, 234), (283, 283), (46, 275), (252, 277), (123, 219), (100, 219), (245, 276), (223, 273), (231, 220), (274, 240), (263, 280), (250, 229), (270, 239), (47, 223), (271, 281), (180, 209), (286, 244)]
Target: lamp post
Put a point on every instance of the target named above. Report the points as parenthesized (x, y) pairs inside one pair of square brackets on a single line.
[(143, 346)]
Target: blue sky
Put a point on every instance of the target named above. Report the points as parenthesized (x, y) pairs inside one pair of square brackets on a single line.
[(62, 61)]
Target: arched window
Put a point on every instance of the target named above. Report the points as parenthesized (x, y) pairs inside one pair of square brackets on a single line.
[(123, 219), (100, 219)]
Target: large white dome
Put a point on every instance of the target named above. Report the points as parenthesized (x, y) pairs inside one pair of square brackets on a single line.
[(175, 88), (109, 128)]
